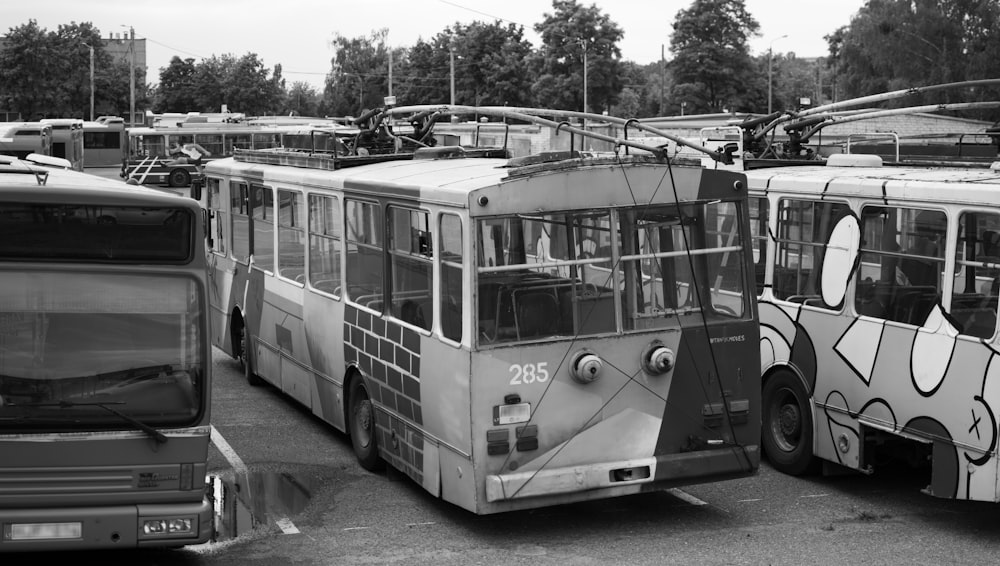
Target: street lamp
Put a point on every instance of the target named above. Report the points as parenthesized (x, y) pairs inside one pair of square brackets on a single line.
[(91, 47), (769, 85)]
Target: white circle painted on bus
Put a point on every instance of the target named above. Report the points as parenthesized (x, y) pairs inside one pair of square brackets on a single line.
[(932, 350), (838, 259)]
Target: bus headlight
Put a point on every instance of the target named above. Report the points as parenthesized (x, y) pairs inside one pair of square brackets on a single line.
[(586, 367), (657, 359), (167, 526)]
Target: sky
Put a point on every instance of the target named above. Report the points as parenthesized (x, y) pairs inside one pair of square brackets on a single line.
[(297, 34)]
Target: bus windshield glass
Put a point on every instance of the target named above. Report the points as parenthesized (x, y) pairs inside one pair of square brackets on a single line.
[(72, 347), (43, 232), (571, 274)]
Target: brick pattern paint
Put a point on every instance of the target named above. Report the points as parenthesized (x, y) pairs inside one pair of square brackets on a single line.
[(389, 355)]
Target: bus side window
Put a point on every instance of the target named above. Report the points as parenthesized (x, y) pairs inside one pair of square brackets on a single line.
[(804, 228), (410, 262), (450, 240), (977, 275)]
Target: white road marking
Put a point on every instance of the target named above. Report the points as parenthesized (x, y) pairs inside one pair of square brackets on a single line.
[(231, 456), (287, 526), (815, 495), (748, 500), (684, 496), (356, 528), (420, 524)]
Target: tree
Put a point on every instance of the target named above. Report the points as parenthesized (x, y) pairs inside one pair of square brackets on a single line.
[(712, 67), (898, 44), (47, 74), (359, 76), (176, 92), (570, 35), (303, 99), (490, 67), (242, 85)]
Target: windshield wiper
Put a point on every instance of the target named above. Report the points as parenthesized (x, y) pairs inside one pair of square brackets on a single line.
[(156, 435)]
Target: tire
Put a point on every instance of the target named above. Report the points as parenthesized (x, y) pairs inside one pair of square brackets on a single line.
[(787, 432), (364, 435), (178, 178), (244, 358)]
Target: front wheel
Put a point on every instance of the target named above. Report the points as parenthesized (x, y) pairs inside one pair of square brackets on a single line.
[(179, 178), (361, 413), (787, 432)]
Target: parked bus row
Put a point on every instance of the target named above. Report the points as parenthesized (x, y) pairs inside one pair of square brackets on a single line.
[(82, 143)]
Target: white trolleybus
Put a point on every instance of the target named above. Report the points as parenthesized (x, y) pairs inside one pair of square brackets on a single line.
[(105, 364), (510, 333), (877, 284)]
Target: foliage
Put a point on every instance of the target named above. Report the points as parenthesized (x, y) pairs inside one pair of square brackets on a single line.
[(359, 78), (898, 44), (489, 63), (46, 74), (571, 35), (712, 65), (239, 84)]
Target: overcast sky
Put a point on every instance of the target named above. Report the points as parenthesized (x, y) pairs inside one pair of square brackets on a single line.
[(297, 33)]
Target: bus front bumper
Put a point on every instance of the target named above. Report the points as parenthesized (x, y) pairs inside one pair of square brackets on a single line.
[(665, 471)]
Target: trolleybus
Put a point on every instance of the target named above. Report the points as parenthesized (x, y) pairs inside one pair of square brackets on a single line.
[(878, 306), (104, 142), (510, 333), (105, 364), (877, 288), (148, 161)]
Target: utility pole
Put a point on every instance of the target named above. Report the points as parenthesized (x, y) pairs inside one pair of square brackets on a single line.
[(451, 53), (663, 76), (91, 47), (769, 84), (131, 74)]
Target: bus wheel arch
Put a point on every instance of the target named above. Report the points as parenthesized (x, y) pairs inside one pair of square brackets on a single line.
[(178, 178), (361, 424), (787, 423), (241, 349)]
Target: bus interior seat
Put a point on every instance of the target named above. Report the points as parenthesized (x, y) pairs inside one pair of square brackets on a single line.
[(537, 314)]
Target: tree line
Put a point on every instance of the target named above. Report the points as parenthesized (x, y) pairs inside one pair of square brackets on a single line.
[(889, 45)]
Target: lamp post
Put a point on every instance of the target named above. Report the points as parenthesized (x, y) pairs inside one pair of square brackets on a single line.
[(131, 74), (91, 47), (769, 84)]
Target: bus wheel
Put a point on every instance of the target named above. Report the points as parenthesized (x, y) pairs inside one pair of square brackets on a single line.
[(179, 178), (361, 413), (244, 357), (788, 425)]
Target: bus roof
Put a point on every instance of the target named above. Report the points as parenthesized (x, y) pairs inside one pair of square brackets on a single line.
[(21, 180), (971, 185), (487, 185)]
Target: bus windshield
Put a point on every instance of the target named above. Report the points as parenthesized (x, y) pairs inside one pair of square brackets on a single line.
[(41, 232), (69, 345), (551, 275)]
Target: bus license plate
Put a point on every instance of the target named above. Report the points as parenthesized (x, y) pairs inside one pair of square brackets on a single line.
[(45, 531)]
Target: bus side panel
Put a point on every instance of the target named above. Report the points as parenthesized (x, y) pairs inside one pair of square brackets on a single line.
[(444, 391), (279, 332), (222, 280), (324, 335)]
